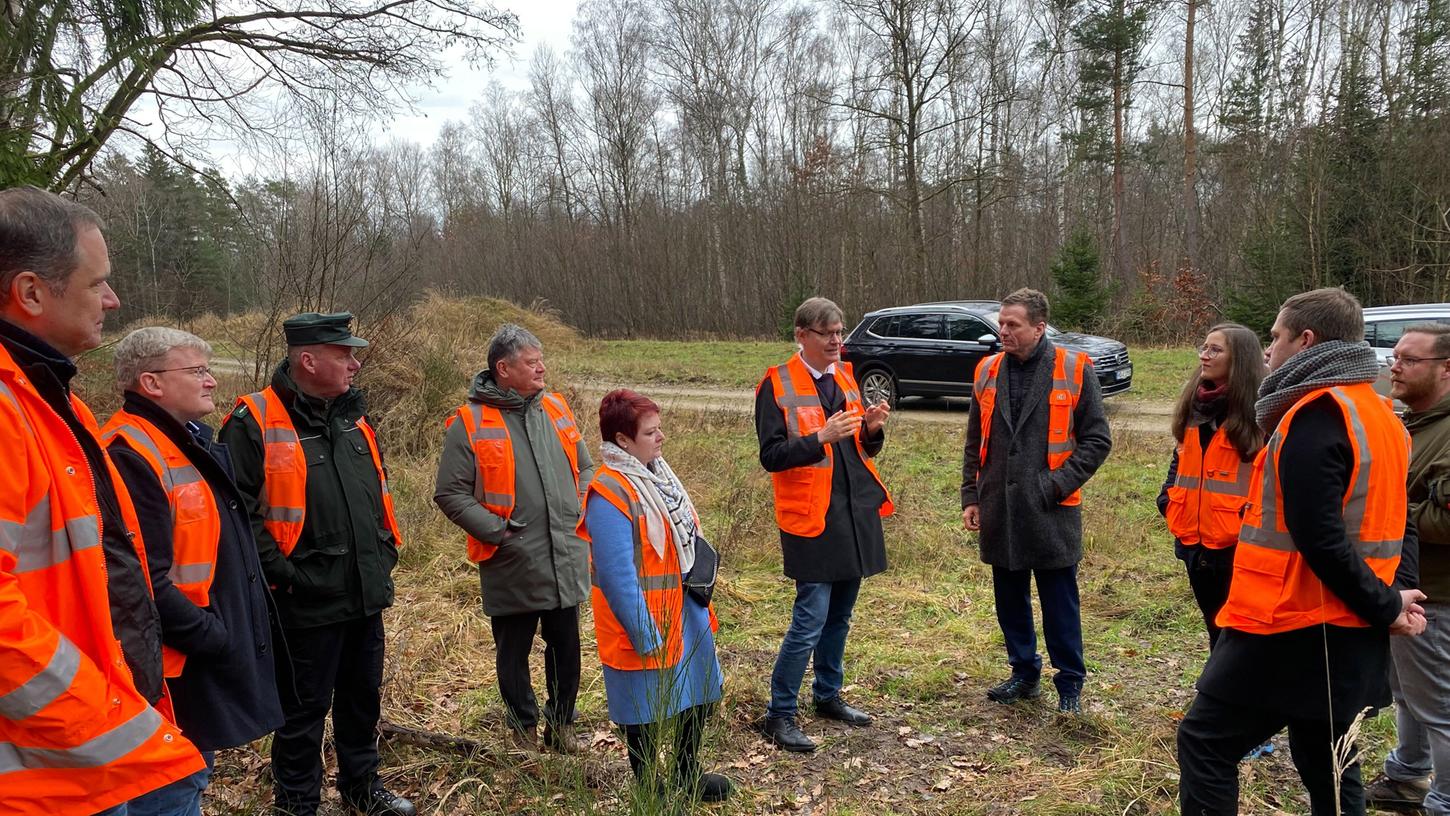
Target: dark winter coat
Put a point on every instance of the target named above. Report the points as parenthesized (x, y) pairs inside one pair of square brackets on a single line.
[(852, 545), (545, 565), (341, 568), (226, 695), (1023, 526)]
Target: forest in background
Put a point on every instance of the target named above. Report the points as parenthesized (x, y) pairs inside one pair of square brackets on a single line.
[(697, 167)]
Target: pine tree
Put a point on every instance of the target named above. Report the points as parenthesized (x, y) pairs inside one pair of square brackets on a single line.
[(1081, 297)]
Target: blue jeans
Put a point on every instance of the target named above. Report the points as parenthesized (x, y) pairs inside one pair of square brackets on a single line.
[(1420, 678), (818, 626), (1061, 624), (180, 798)]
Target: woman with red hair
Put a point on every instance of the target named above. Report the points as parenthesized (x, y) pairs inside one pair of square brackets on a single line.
[(653, 575)]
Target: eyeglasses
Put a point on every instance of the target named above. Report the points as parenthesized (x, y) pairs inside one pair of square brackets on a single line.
[(1407, 360), (1211, 351), (837, 334), (200, 372)]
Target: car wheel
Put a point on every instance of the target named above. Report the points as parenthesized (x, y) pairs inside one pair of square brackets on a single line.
[(878, 385)]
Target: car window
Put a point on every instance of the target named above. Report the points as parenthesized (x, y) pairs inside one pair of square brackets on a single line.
[(884, 326), (920, 327), (1386, 333), (965, 327)]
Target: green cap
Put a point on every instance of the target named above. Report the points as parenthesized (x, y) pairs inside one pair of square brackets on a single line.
[(314, 329)]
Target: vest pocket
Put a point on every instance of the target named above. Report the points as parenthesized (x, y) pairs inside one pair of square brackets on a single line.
[(1258, 586)]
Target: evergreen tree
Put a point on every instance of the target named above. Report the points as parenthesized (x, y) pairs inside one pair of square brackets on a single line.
[(1080, 297)]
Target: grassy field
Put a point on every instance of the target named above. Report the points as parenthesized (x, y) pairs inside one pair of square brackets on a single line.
[(923, 649)]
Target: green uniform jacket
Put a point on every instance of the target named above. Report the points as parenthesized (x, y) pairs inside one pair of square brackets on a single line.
[(544, 566), (341, 568), (1430, 465)]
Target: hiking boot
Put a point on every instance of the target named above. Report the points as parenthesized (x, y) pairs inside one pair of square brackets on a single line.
[(1392, 794), (1013, 689), (710, 787), (523, 739), (379, 801), (836, 709), (1069, 704), (561, 740)]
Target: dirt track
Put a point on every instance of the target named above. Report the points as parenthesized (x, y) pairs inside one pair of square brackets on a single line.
[(1124, 412)]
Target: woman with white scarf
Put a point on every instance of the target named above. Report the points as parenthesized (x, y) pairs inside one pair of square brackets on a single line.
[(656, 637)]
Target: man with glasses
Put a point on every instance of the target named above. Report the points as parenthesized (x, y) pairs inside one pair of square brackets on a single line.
[(216, 628), (817, 440), (1417, 772), (308, 464)]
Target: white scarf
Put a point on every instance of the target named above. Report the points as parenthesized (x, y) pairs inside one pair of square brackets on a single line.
[(663, 497)]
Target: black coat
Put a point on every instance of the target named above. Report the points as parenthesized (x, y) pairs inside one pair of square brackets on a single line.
[(1023, 526), (852, 545), (342, 566), (1297, 672), (227, 692)]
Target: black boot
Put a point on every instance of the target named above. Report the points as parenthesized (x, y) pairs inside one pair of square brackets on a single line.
[(705, 787)]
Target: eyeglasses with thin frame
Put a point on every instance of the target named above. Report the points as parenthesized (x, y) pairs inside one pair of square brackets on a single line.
[(1211, 351), (1407, 360), (200, 372), (837, 334)]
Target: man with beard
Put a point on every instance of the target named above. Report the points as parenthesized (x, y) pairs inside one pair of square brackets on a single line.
[(1420, 667)]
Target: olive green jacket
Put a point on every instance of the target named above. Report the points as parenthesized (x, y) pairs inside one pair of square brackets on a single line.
[(545, 565), (341, 568), (1430, 469)]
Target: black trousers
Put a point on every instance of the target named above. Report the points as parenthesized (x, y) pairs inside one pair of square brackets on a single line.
[(1216, 734), (513, 639), (1061, 624), (1209, 574), (643, 742), (337, 667)]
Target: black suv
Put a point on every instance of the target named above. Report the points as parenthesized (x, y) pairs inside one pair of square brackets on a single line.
[(932, 350)]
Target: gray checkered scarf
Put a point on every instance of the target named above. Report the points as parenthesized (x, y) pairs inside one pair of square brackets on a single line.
[(1333, 362)]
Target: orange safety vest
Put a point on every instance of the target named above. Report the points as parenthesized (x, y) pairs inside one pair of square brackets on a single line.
[(493, 451), (1062, 401), (195, 522), (75, 735), (1273, 589), (1209, 491), (802, 494), (659, 581), (284, 491)]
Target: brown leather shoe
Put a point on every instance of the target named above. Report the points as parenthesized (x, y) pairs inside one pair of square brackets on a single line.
[(561, 740), (523, 739), (1392, 794)]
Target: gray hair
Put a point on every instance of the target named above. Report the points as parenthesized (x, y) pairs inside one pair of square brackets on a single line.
[(38, 234), (817, 311), (143, 349), (508, 341)]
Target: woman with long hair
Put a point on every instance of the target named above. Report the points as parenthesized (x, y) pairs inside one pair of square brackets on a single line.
[(653, 576), (1208, 478)]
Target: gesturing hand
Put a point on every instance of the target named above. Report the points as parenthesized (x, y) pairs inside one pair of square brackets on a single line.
[(839, 427), (876, 416)]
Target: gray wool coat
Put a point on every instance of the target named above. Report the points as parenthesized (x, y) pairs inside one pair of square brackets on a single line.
[(1023, 526)]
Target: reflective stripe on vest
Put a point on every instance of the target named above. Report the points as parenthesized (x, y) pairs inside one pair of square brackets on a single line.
[(1068, 369), (75, 735), (658, 577), (493, 456), (1273, 590), (1209, 491), (195, 520), (803, 493), (283, 500)]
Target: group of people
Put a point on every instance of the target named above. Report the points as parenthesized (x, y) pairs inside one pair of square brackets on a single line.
[(166, 592)]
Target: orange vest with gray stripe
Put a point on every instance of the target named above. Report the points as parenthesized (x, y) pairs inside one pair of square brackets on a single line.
[(284, 491), (659, 581), (195, 522), (1209, 491), (802, 494), (75, 735), (1068, 370), (1273, 589), (493, 452)]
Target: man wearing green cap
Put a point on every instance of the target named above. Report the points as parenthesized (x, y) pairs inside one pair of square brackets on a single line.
[(309, 468)]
